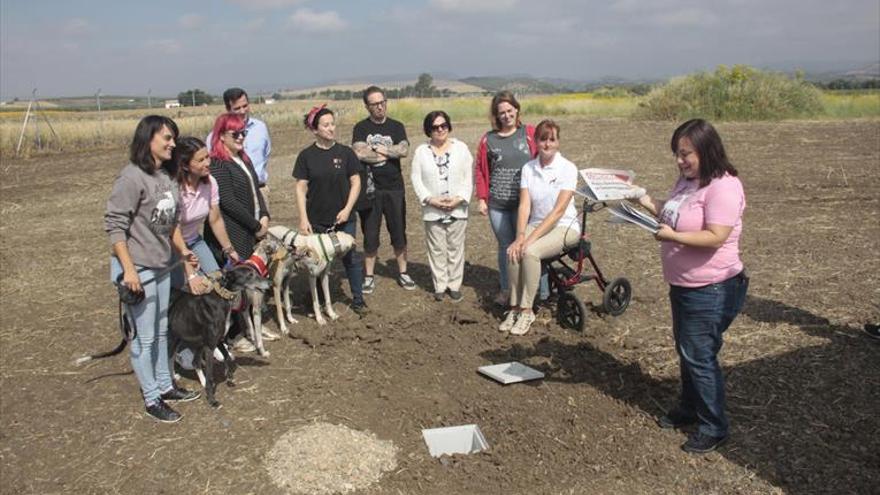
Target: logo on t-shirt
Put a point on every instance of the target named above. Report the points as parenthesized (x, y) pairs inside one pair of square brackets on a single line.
[(164, 215), (337, 163)]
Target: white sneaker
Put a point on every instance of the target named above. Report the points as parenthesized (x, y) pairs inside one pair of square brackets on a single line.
[(523, 323), (508, 322)]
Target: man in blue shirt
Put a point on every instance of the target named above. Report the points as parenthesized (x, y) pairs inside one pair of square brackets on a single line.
[(257, 144)]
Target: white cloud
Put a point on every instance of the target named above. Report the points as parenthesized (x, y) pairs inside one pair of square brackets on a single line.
[(473, 5), (317, 22), (191, 21), (266, 4), (77, 26), (166, 46)]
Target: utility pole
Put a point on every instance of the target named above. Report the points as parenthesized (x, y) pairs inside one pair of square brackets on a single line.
[(149, 98), (193, 94), (98, 98)]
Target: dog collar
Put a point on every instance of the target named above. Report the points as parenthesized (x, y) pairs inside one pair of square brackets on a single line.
[(257, 264)]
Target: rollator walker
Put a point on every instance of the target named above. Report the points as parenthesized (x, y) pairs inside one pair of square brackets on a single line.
[(566, 270)]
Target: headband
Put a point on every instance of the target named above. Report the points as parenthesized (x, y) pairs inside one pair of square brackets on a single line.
[(310, 119)]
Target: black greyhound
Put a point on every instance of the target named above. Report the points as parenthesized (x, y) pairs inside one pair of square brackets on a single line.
[(199, 322)]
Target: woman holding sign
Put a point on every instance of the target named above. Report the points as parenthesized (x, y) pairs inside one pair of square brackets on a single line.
[(700, 226)]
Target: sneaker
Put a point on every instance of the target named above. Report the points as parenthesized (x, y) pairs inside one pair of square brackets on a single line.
[(700, 443), (438, 296), (160, 411), (455, 296), (369, 284), (523, 323), (180, 395), (243, 345), (405, 281), (360, 308), (676, 418), (269, 335), (873, 330), (509, 321)]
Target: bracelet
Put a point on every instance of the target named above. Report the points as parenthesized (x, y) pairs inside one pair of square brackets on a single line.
[(228, 249)]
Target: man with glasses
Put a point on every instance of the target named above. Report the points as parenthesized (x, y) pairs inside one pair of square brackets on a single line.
[(257, 144), (379, 143)]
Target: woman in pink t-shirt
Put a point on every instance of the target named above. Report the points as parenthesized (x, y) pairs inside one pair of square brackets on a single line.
[(199, 200), (700, 229)]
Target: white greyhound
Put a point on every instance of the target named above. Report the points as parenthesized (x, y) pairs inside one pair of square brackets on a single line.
[(312, 253)]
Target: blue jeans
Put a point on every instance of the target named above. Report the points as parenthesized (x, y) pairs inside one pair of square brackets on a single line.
[(352, 261), (149, 349), (699, 318), (503, 224), (207, 262)]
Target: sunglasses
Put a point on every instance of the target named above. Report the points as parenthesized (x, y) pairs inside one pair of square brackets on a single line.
[(377, 104), (238, 134), (440, 127)]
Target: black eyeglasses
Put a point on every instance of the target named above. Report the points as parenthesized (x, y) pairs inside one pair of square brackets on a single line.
[(377, 104), (238, 134), (440, 127)]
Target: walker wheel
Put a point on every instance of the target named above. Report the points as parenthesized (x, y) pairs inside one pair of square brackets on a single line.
[(571, 312), (617, 296)]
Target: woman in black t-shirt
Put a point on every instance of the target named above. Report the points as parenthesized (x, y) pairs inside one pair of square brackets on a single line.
[(327, 186)]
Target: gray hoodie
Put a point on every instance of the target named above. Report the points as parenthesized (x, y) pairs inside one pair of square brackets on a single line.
[(142, 210)]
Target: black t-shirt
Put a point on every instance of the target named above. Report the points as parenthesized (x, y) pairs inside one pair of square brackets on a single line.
[(386, 175), (328, 173)]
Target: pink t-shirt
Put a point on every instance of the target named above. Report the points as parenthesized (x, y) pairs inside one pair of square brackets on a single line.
[(691, 209), (195, 204)]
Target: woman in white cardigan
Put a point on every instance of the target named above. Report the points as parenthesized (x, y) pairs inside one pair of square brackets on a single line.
[(442, 177)]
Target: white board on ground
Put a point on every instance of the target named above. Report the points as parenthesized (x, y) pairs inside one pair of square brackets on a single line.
[(466, 439), (513, 372)]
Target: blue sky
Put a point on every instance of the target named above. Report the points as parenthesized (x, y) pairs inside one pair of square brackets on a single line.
[(74, 47)]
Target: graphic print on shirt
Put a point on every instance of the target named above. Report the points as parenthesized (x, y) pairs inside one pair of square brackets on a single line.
[(670, 213), (164, 215), (374, 140)]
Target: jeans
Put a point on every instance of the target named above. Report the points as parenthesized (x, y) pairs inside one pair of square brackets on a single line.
[(207, 262), (352, 261), (700, 316), (503, 224), (149, 349)]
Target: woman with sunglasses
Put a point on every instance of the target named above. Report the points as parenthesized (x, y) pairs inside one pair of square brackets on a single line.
[(242, 206), (141, 221), (328, 183), (442, 178), (241, 203)]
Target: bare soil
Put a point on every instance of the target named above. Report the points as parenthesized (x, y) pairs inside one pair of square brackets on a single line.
[(803, 381)]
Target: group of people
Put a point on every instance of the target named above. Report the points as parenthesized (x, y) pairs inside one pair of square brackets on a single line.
[(520, 180)]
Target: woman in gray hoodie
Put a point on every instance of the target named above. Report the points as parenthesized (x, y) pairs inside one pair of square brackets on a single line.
[(141, 221)]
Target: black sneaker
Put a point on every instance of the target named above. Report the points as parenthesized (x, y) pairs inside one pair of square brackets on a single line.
[(369, 284), (360, 308), (676, 418), (438, 296), (180, 395), (405, 281), (455, 296), (160, 411), (700, 443), (873, 330)]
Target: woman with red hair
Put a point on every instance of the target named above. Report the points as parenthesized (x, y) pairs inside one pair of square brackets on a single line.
[(241, 202)]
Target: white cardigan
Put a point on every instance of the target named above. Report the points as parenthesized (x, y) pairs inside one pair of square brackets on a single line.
[(426, 178)]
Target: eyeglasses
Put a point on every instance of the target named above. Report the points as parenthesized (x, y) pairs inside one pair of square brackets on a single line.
[(440, 127), (238, 134), (377, 104)]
